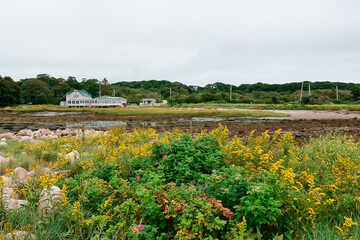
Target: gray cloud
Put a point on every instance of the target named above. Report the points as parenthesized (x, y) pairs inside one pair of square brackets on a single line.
[(194, 42)]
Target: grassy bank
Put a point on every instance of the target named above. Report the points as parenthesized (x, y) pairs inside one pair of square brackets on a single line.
[(165, 111), (146, 185)]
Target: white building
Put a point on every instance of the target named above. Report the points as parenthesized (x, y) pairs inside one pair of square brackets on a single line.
[(78, 98), (152, 102), (107, 101), (148, 102), (81, 98)]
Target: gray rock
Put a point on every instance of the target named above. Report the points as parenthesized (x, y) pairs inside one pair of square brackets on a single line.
[(21, 174), (49, 199), (73, 156), (20, 235)]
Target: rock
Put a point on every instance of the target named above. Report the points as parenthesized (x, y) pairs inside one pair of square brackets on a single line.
[(21, 235), (65, 132), (26, 132), (49, 199), (33, 142), (45, 132), (3, 144), (4, 161), (30, 174), (45, 170), (73, 156), (8, 181), (73, 133), (9, 193), (3, 140), (8, 136), (25, 139), (57, 173), (21, 174)]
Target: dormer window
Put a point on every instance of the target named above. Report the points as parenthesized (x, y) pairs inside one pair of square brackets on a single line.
[(76, 95)]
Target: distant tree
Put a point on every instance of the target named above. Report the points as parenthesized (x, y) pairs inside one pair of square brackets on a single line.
[(61, 89), (41, 99), (105, 87), (31, 88), (91, 86), (356, 93), (9, 92), (73, 83)]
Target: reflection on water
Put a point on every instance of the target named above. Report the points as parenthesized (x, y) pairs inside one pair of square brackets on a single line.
[(16, 127), (96, 124), (104, 125), (51, 114)]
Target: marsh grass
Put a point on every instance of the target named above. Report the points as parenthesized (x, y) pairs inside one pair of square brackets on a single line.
[(160, 111)]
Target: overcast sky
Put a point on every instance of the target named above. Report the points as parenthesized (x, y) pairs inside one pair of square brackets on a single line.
[(195, 42)]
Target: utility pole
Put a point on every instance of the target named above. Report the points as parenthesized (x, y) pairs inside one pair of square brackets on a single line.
[(301, 91), (230, 92), (100, 90), (309, 90), (113, 93), (337, 93)]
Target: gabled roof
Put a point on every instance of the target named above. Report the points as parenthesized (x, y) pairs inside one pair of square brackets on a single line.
[(148, 99), (82, 92)]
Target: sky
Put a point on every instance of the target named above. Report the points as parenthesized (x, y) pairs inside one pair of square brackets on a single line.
[(196, 42)]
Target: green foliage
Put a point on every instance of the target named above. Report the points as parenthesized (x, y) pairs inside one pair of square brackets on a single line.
[(35, 90), (186, 160), (228, 184), (9, 92)]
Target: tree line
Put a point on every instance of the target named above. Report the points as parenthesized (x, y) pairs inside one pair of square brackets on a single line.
[(45, 89)]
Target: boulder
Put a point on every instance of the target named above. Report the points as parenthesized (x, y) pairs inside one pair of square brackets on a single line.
[(20, 235), (8, 181), (8, 136), (73, 156), (45, 170), (21, 174), (65, 172), (4, 161), (25, 132), (30, 174), (9, 193), (49, 199), (33, 142), (25, 139), (3, 144), (45, 132), (3, 140), (65, 132)]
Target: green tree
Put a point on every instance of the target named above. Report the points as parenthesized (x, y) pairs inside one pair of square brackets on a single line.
[(105, 88), (31, 88), (41, 99), (61, 89), (9, 92)]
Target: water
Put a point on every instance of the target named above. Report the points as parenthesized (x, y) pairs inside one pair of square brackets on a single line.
[(104, 125), (51, 114)]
